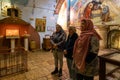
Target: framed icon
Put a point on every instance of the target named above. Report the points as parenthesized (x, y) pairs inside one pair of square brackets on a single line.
[(40, 24)]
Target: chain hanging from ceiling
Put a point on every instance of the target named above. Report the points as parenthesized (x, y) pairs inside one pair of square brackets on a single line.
[(33, 7)]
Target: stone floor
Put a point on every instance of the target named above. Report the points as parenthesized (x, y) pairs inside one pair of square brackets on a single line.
[(40, 65)]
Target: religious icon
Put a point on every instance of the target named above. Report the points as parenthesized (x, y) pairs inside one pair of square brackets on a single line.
[(105, 13), (40, 24), (88, 10)]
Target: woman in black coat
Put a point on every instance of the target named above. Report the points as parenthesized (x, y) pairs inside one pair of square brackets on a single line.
[(68, 50)]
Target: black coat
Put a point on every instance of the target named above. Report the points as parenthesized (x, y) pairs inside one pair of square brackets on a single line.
[(69, 44)]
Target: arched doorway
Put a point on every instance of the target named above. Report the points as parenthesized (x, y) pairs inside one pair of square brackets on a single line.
[(114, 39)]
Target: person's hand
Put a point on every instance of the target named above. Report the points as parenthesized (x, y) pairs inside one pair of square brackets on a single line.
[(55, 45), (65, 51), (51, 50)]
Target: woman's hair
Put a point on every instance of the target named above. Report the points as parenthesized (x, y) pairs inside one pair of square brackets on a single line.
[(57, 25), (72, 28)]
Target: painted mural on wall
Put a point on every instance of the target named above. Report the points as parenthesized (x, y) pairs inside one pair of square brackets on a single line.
[(40, 24), (97, 9), (100, 11)]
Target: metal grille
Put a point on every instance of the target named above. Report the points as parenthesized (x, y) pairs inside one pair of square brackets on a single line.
[(13, 62)]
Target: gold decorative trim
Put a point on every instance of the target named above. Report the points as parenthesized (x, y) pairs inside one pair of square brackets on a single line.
[(5, 11)]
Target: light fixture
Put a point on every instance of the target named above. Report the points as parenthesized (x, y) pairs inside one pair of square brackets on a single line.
[(7, 9)]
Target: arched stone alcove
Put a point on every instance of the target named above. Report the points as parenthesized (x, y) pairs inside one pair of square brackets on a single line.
[(14, 23), (113, 36), (114, 39)]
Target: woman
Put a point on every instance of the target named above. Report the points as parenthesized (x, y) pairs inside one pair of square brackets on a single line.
[(68, 51), (85, 51), (58, 40), (88, 10)]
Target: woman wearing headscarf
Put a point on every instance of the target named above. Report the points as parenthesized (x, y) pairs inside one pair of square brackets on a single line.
[(85, 51), (58, 40)]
